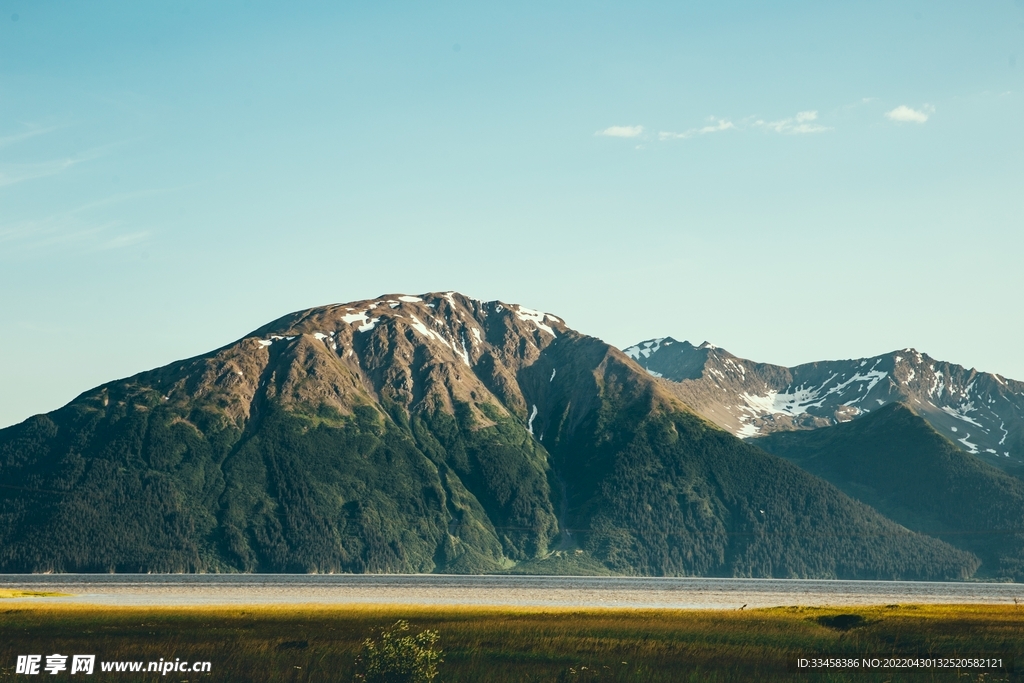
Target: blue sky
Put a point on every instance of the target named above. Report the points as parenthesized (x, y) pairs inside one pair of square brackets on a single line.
[(793, 181)]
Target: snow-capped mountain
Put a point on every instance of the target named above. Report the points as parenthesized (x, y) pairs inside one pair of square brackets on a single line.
[(430, 433), (981, 412)]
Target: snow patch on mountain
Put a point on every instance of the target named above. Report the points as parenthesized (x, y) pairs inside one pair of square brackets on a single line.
[(960, 413), (422, 329), (971, 447), (735, 366), (800, 399), (747, 431), (360, 317), (533, 415), (795, 403), (462, 352), (872, 377), (536, 317), (644, 349)]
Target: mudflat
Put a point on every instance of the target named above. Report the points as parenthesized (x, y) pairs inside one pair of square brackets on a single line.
[(156, 590)]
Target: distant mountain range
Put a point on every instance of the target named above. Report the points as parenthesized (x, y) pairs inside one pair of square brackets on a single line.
[(440, 433), (980, 412)]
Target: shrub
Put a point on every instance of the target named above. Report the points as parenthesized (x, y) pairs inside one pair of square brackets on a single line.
[(396, 656)]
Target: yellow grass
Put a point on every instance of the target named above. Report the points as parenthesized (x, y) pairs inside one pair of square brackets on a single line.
[(7, 593), (519, 645)]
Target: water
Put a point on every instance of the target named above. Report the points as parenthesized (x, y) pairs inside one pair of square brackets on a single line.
[(536, 591)]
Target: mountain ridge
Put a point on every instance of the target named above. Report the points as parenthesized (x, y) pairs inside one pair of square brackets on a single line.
[(982, 412)]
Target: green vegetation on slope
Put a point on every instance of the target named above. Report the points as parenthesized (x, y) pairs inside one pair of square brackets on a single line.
[(894, 461), (140, 486)]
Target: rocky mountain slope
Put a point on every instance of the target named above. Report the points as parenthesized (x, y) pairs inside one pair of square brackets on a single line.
[(432, 433), (896, 462), (981, 412)]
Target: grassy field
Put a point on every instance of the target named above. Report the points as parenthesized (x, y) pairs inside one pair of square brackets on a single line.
[(317, 643)]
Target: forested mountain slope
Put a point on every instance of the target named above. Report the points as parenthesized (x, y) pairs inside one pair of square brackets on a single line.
[(894, 461)]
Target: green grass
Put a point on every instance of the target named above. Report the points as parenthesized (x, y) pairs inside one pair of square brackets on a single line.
[(317, 643)]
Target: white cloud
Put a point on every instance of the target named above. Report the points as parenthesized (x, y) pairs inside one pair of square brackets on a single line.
[(904, 114), (717, 126), (803, 122), (622, 131)]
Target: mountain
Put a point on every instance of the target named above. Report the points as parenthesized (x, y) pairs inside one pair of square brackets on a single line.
[(896, 462), (432, 433), (981, 412)]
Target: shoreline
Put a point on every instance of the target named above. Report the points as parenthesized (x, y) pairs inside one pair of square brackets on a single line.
[(182, 590)]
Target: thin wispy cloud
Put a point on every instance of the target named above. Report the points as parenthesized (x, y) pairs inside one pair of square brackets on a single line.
[(621, 131), (905, 114), (77, 228), (849, 106), (122, 241), (717, 126), (63, 231), (58, 230), (803, 122), (11, 174), (32, 132)]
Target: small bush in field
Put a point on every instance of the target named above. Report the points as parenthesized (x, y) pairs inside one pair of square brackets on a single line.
[(396, 656)]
